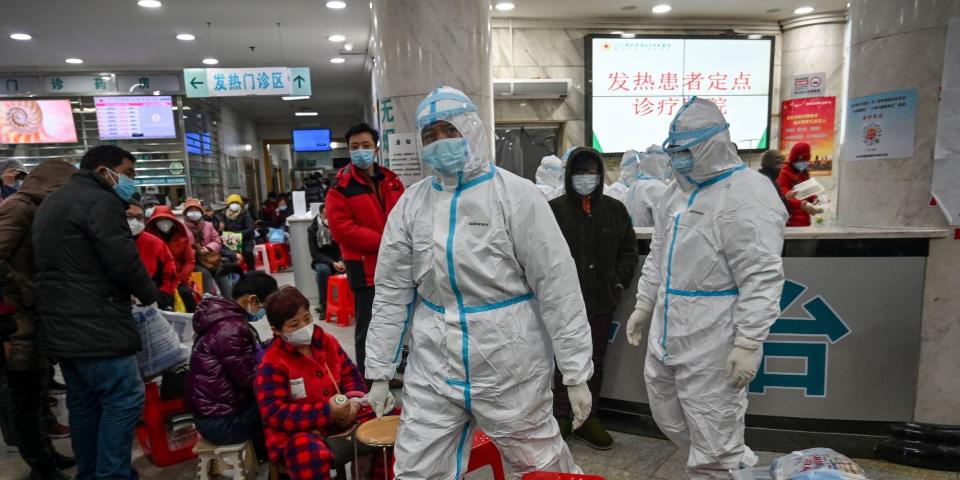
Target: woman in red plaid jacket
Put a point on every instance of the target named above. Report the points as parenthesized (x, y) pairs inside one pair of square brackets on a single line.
[(301, 373)]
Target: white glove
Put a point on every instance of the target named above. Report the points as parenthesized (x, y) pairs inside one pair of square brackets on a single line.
[(581, 402), (743, 362), (635, 324), (380, 398)]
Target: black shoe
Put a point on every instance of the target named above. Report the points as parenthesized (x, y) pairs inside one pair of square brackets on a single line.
[(64, 462), (52, 474), (55, 386), (594, 434)]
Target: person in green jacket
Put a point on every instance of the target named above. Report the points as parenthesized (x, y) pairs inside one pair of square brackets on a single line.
[(600, 235)]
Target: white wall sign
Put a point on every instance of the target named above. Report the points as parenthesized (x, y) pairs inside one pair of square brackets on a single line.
[(90, 84), (19, 85), (404, 160), (808, 85), (881, 126)]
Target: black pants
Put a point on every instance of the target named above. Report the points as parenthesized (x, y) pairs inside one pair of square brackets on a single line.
[(235, 429), (28, 396), (363, 301), (600, 334), (249, 260)]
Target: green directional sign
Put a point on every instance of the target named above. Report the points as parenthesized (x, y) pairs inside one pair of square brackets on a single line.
[(301, 81), (195, 82), (239, 82)]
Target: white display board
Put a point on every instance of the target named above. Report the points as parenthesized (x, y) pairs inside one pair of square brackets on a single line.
[(637, 85), (404, 160), (135, 117)]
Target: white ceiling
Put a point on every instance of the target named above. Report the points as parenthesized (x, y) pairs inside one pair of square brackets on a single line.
[(699, 9)]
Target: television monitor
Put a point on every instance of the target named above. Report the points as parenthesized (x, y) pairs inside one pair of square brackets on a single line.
[(636, 85), (135, 117), (316, 140), (36, 121)]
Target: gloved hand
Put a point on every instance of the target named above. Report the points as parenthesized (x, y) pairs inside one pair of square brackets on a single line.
[(635, 323), (380, 398), (743, 361), (581, 402)]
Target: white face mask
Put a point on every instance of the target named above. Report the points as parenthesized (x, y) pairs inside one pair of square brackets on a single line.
[(165, 225), (194, 215), (235, 207), (149, 212), (136, 226), (585, 184), (301, 336)]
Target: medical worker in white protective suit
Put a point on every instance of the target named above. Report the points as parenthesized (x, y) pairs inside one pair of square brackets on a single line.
[(628, 175), (712, 284), (474, 258), (550, 176), (645, 193)]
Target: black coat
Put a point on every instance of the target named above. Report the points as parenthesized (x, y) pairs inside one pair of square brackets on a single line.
[(326, 254), (603, 244), (245, 224), (87, 267)]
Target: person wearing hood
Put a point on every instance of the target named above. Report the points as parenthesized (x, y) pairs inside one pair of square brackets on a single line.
[(149, 203), (88, 269), (237, 220), (206, 244), (645, 193), (628, 175), (711, 285), (470, 262), (155, 255), (179, 240), (550, 176), (794, 171), (26, 367), (12, 175), (223, 363), (770, 164), (604, 248)]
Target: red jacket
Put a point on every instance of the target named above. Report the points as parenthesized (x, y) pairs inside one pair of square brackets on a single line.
[(357, 213), (179, 240), (159, 262), (789, 178), (293, 391)]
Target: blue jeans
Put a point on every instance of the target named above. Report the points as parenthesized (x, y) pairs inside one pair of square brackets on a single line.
[(104, 400), (323, 272)]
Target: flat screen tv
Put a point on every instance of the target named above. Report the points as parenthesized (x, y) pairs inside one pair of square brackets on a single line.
[(317, 140), (140, 117), (36, 121)]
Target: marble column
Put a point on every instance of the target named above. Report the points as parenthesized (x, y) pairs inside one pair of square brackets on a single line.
[(419, 45)]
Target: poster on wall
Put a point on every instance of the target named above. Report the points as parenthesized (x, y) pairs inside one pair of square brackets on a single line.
[(810, 120), (404, 160), (808, 85), (881, 126)]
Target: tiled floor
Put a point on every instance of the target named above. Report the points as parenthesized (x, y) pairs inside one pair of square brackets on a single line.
[(632, 457)]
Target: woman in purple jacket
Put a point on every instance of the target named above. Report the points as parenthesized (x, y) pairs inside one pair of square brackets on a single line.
[(224, 361)]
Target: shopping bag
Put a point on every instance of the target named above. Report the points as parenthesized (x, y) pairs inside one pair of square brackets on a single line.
[(275, 235), (161, 344), (233, 241)]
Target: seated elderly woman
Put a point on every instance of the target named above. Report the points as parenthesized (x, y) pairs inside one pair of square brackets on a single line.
[(297, 386)]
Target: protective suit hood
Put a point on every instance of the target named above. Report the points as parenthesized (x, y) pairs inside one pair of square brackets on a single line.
[(550, 172), (453, 106), (628, 167), (700, 127)]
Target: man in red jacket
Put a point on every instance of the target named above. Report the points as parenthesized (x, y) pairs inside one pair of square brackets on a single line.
[(155, 255), (357, 207)]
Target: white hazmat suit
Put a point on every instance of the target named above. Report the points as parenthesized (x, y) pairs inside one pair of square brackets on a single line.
[(713, 281), (550, 176), (628, 175), (471, 264), (645, 193)]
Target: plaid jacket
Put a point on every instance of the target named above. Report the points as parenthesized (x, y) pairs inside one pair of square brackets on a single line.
[(293, 390)]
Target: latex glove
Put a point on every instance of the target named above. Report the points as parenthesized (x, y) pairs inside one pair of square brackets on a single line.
[(743, 362), (635, 324), (581, 402), (380, 398)]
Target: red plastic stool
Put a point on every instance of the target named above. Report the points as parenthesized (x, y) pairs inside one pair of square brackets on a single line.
[(152, 432), (340, 300), (279, 256), (484, 453), (559, 476)]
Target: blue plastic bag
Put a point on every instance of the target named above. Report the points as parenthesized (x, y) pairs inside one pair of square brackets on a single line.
[(276, 235)]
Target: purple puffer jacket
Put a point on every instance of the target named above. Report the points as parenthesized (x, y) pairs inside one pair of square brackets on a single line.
[(224, 360)]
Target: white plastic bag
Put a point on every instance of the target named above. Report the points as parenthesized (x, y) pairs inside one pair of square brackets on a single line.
[(182, 323), (161, 344), (816, 464)]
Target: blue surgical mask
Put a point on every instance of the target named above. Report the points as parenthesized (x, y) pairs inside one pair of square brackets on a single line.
[(682, 162), (585, 184), (801, 166), (125, 186), (259, 315), (362, 158), (447, 156)]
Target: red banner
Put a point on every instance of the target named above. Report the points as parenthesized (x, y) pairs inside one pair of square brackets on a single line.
[(810, 120)]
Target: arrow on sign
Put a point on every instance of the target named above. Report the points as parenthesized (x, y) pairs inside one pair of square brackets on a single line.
[(825, 321), (194, 82), (299, 80)]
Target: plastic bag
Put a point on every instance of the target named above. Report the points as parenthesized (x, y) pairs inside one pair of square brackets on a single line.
[(816, 464), (233, 241), (276, 235), (182, 323), (161, 344)]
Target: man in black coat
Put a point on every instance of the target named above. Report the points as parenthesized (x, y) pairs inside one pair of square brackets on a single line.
[(602, 241), (88, 267)]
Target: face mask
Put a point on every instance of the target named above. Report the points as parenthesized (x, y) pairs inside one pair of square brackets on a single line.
[(585, 184), (136, 226), (235, 207), (801, 166), (362, 158), (282, 208), (301, 337), (259, 315), (149, 212), (17, 184), (447, 156), (125, 186), (165, 225), (194, 215), (682, 162)]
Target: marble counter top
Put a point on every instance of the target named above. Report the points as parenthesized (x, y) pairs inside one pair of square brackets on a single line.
[(840, 233)]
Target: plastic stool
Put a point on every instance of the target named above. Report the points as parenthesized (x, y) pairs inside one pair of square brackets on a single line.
[(279, 256), (559, 476), (340, 300), (483, 453), (152, 432), (262, 258), (238, 457)]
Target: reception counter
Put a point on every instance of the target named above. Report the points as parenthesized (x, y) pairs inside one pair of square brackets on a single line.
[(841, 361)]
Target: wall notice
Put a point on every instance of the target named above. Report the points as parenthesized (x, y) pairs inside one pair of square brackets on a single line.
[(810, 120), (404, 160), (881, 126), (808, 85)]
